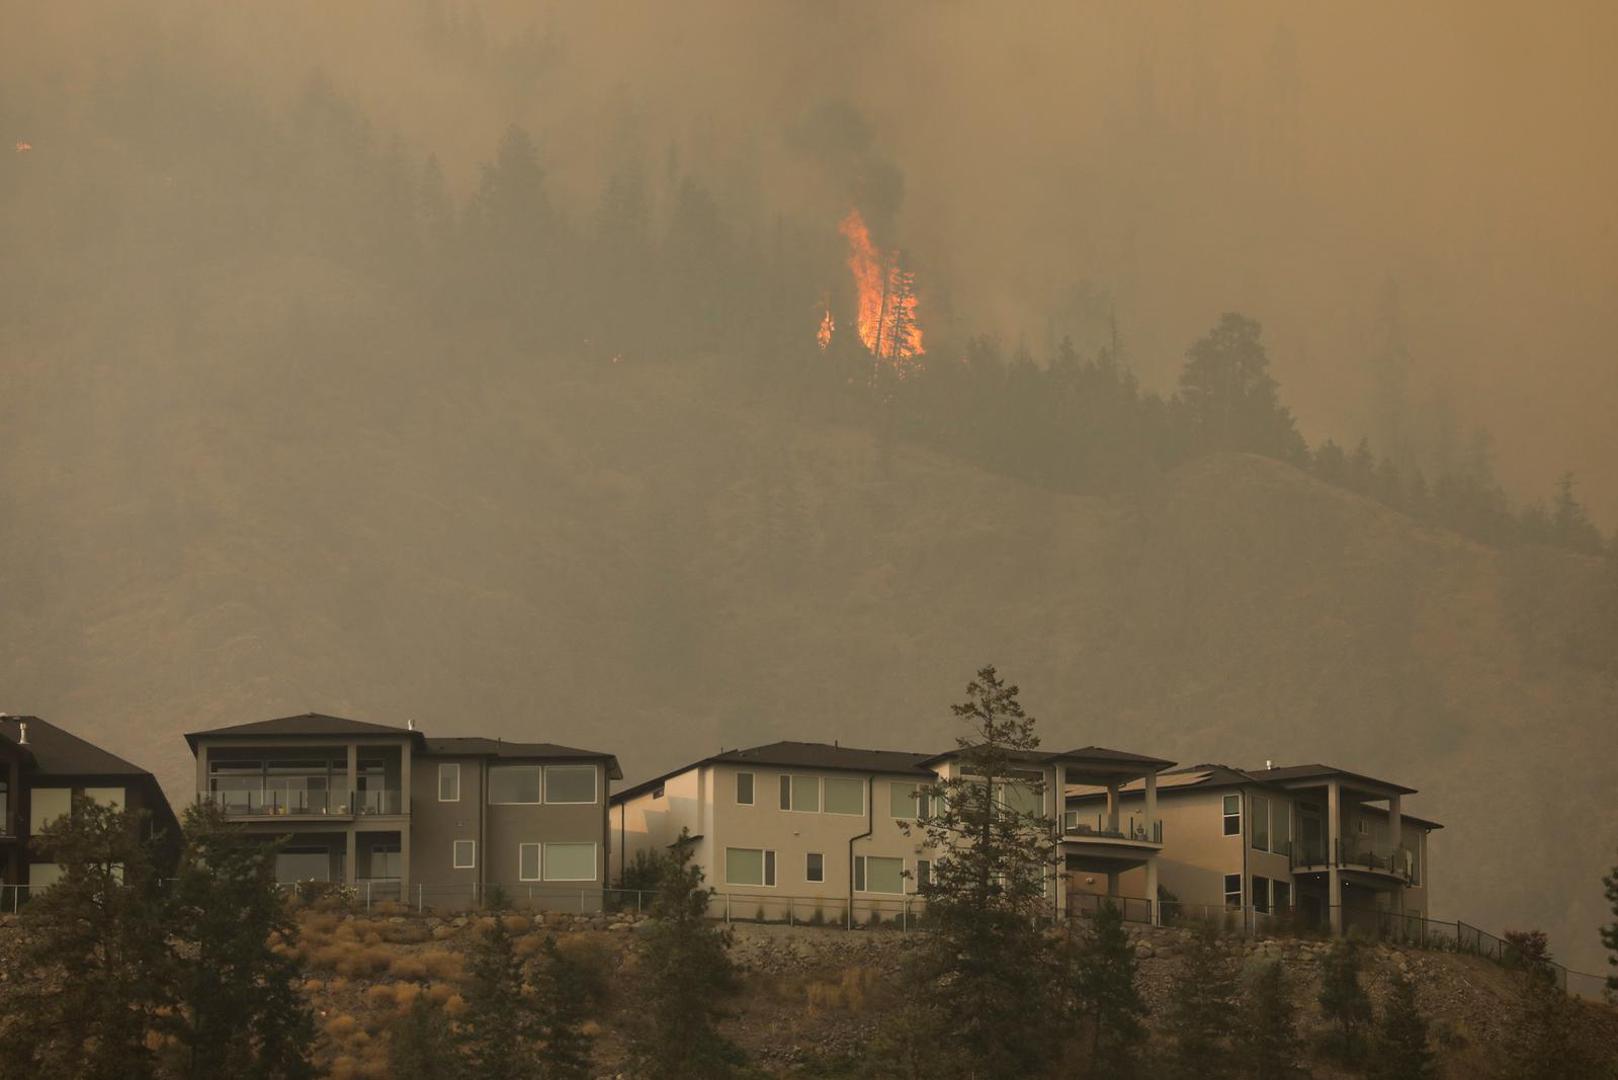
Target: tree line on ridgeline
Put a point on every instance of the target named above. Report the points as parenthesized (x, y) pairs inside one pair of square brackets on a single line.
[(676, 257), (137, 967)]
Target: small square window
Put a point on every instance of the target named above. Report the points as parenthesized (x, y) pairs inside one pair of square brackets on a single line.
[(466, 854), (1233, 890), (815, 869), (1233, 815), (744, 789)]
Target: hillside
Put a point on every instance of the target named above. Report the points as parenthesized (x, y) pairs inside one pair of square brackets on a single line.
[(355, 517)]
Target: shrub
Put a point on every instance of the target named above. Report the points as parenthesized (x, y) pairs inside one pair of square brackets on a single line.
[(443, 964), (342, 1026), (407, 966), (379, 996)]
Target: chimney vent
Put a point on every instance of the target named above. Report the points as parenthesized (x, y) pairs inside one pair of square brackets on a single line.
[(410, 724), (22, 733), (1268, 764)]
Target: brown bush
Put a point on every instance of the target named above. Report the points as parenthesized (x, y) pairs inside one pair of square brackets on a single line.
[(443, 964), (342, 1026), (440, 993), (343, 1068), (407, 966), (456, 1005), (516, 924), (405, 994), (379, 996)]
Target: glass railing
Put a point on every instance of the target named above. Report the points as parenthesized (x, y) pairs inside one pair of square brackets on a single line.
[(378, 801), (1128, 828), (1357, 852), (259, 802)]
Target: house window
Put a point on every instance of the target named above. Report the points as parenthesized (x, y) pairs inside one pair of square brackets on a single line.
[(570, 862), (845, 795), (924, 874), (1233, 815), (449, 783), (1261, 893), (570, 783), (513, 784), (45, 805), (42, 875), (5, 809), (815, 867), (466, 854), (750, 866), (527, 862), (800, 793), (1261, 823), (904, 801), (744, 789), (1283, 896), (110, 797), (1281, 828), (1022, 797), (387, 862), (303, 864), (1233, 891), (876, 874)]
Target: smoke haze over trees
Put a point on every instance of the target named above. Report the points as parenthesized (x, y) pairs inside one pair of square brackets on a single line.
[(456, 359)]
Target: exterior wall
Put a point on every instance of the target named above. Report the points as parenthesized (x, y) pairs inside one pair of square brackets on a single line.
[(1196, 854), (435, 825)]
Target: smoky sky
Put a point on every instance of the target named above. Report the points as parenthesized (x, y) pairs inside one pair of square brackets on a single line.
[(1053, 167)]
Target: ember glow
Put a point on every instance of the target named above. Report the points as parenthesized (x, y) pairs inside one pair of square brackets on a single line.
[(827, 326), (23, 148), (885, 299)]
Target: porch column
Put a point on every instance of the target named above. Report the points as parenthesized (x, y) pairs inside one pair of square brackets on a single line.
[(404, 863), (1334, 840), (1059, 864), (1151, 806), (405, 769), (353, 778), (1151, 890), (1112, 884), (1112, 805), (351, 864), (1396, 847)]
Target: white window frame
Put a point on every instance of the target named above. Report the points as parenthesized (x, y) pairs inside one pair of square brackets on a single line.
[(1239, 894), (862, 875), (447, 769), (595, 858), (808, 873), (386, 847), (539, 862), (1263, 817), (825, 788), (924, 873), (752, 789), (768, 865), (455, 855), (539, 769), (791, 793), (1227, 815), (545, 786)]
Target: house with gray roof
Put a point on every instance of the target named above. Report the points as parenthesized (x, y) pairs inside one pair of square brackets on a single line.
[(394, 813)]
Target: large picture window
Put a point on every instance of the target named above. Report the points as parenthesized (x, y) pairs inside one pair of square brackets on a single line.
[(904, 801), (874, 873), (570, 862), (1233, 815), (513, 784), (750, 866), (1261, 823), (45, 805), (570, 783), (1281, 828), (744, 789), (845, 795), (801, 793)]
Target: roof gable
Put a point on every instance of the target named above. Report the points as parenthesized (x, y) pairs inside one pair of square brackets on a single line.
[(56, 752)]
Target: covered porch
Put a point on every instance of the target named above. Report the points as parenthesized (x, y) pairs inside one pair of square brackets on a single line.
[(1099, 841)]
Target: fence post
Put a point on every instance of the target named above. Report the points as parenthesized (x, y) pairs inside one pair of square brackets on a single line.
[(419, 901), (904, 915), (638, 895), (581, 901)]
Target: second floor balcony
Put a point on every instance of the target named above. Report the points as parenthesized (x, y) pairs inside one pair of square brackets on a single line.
[(335, 801), (1356, 853), (1131, 828)]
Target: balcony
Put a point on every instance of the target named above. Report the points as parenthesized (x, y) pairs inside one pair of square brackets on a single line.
[(262, 803), (1356, 853), (1137, 830)]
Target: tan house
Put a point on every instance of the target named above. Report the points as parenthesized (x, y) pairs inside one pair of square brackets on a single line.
[(1331, 847), (397, 814), (795, 830)]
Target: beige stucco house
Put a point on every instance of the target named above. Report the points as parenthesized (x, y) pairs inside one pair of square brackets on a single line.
[(796, 831), (1321, 844), (397, 814)]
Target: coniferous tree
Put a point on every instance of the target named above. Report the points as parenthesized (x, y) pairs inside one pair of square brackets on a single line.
[(1545, 1042), (243, 1012), (1267, 1026), (1609, 933), (560, 1002), (499, 1027), (1109, 1005), (1231, 401), (1343, 999), (986, 965), (96, 972), (422, 1046), (686, 973), (1201, 1009), (1399, 1048)]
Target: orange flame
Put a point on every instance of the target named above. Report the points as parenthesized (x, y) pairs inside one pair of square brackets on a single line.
[(885, 303), (827, 325)]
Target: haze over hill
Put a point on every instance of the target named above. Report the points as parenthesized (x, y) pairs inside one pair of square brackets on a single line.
[(533, 438)]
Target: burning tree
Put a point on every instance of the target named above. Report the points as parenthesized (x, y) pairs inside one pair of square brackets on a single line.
[(885, 301)]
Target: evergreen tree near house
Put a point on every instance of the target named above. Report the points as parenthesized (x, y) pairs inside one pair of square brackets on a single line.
[(96, 973), (1545, 1042), (1110, 1009), (561, 999), (499, 1028), (1609, 933), (986, 966), (242, 1011), (685, 974), (1399, 1049), (1343, 1000), (1202, 1009), (422, 1045), (1267, 1042)]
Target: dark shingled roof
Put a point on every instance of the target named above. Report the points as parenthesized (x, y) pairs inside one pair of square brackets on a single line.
[(1085, 754), (1311, 772), (307, 724), (801, 755), (501, 748), (61, 753)]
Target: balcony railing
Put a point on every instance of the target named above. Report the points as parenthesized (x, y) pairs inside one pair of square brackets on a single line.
[(1357, 852), (1130, 828), (379, 801), (333, 803)]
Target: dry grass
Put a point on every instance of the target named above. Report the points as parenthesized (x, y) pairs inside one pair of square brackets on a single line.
[(848, 992), (407, 966), (443, 965)]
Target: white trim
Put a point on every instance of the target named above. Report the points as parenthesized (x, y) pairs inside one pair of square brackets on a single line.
[(821, 880), (539, 862), (1227, 815), (595, 859), (443, 771), (595, 786), (752, 789), (455, 855), (767, 862), (538, 770), (862, 869)]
